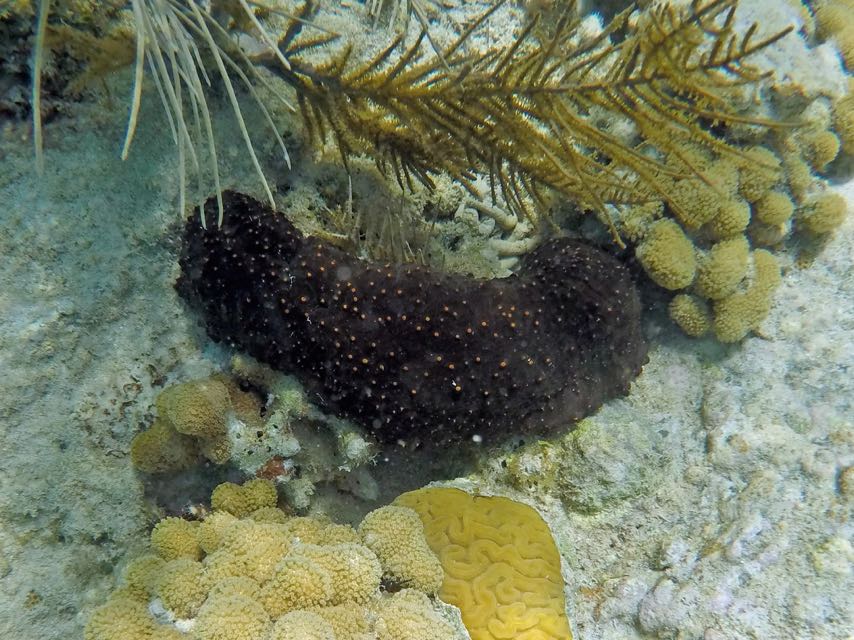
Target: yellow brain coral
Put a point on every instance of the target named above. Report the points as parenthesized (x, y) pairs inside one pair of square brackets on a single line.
[(502, 568), (667, 255), (396, 535)]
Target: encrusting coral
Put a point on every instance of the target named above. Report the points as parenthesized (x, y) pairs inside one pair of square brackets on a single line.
[(723, 268), (293, 579), (502, 567), (835, 21), (823, 213), (241, 500)]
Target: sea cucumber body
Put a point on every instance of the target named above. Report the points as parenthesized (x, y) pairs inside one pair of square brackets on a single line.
[(410, 353)]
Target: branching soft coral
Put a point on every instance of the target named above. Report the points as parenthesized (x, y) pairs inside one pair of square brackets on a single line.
[(521, 113)]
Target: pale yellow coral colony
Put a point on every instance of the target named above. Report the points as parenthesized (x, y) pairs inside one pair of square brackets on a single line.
[(715, 250), (250, 572)]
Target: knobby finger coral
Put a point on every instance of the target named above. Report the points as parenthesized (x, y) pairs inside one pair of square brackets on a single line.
[(410, 352), (292, 579)]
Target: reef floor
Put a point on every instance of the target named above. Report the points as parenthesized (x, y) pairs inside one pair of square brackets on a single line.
[(714, 502)]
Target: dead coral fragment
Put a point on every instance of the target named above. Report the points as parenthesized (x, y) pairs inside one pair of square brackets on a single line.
[(667, 255)]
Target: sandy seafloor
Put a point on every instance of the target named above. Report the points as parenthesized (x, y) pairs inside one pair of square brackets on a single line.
[(715, 502)]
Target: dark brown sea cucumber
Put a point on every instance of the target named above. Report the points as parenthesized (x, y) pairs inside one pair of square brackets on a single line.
[(411, 353)]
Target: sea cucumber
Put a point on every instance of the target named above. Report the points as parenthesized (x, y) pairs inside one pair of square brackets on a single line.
[(410, 353)]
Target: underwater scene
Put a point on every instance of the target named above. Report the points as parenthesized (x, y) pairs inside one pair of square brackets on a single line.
[(426, 319)]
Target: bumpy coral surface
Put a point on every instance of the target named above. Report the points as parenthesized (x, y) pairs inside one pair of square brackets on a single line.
[(668, 255), (411, 352), (279, 578), (396, 535), (502, 568), (193, 417)]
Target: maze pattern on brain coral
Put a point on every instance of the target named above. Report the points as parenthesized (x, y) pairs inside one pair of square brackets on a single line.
[(502, 567)]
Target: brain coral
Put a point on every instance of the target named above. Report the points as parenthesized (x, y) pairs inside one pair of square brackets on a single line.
[(292, 577), (410, 352), (502, 568)]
